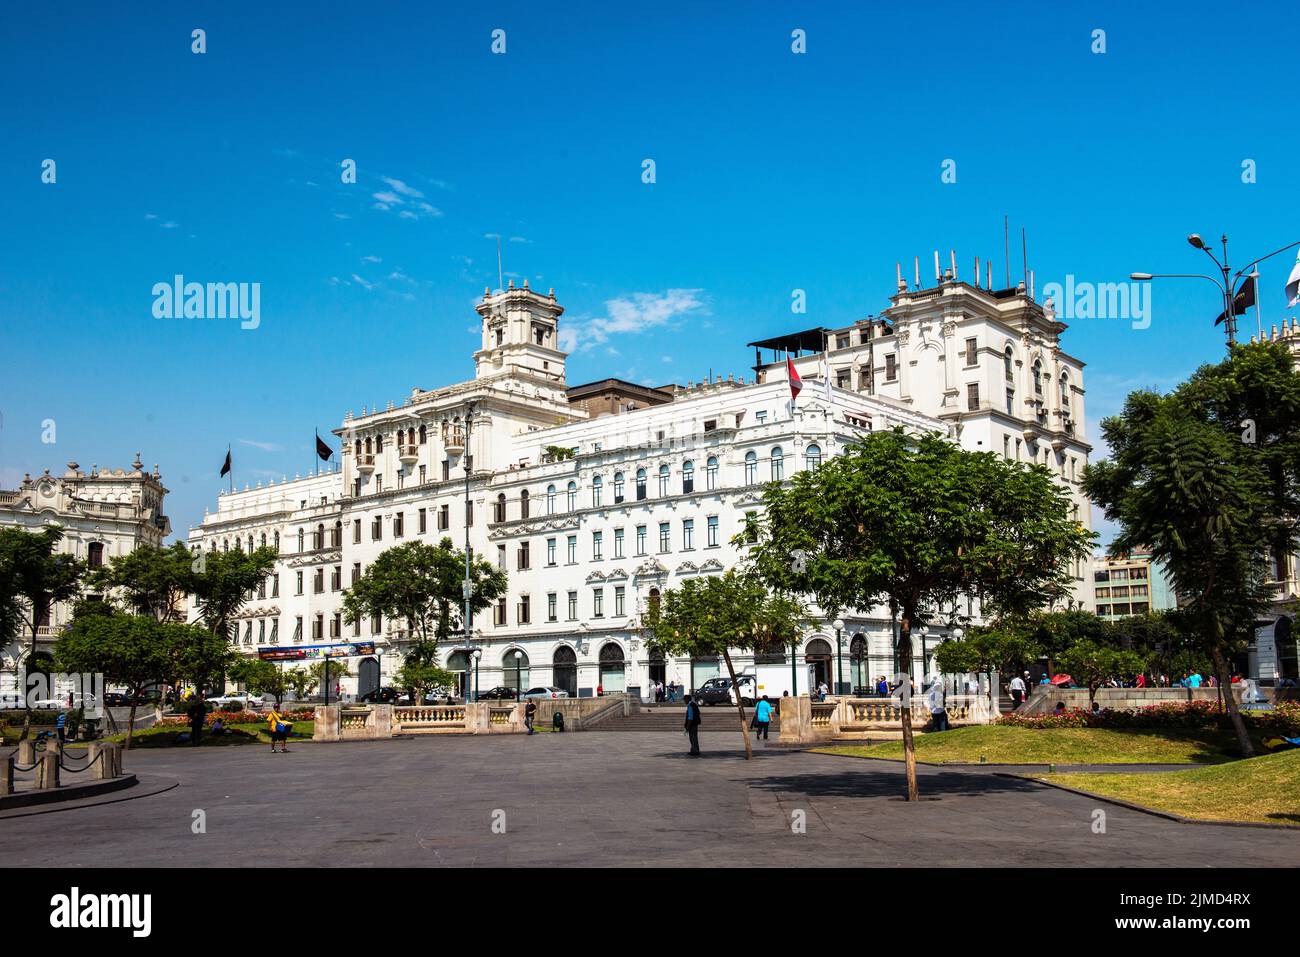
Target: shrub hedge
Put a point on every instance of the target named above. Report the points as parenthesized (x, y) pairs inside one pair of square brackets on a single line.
[(1283, 719)]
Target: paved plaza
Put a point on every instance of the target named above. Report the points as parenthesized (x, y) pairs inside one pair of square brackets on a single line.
[(598, 798)]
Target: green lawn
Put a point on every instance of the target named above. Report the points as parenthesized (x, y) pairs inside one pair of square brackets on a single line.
[(235, 734), (1264, 789), (1000, 744)]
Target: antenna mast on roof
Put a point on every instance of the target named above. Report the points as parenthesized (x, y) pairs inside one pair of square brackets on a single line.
[(1006, 246), (501, 283)]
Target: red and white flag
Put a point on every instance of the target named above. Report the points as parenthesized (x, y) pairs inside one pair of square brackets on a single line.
[(796, 383)]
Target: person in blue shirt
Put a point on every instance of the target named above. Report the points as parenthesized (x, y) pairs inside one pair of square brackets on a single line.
[(693, 726), (1045, 680), (61, 723), (763, 718), (1195, 680)]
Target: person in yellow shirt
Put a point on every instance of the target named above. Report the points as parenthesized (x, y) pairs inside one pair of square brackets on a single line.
[(278, 725)]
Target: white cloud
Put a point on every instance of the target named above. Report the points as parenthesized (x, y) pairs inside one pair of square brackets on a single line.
[(630, 315), (362, 283), (403, 188), (371, 259), (264, 446), (342, 216), (407, 214), (388, 198), (520, 239), (150, 215), (170, 225)]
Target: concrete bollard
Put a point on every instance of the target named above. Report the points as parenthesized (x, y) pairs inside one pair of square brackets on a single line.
[(101, 762), (27, 753), (7, 776), (115, 752), (48, 771)]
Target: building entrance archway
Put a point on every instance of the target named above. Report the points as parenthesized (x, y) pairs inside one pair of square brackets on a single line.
[(564, 668)]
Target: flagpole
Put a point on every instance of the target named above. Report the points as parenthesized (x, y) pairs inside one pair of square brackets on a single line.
[(232, 468)]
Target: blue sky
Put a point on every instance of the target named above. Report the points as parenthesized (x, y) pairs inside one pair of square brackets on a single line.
[(775, 172)]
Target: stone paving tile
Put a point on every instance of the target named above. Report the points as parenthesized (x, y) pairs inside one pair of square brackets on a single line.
[(591, 798)]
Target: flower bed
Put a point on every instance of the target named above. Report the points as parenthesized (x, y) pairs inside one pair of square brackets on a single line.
[(1190, 715), (229, 718)]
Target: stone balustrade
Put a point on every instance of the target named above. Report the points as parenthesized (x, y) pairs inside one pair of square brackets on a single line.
[(804, 721), (384, 721)]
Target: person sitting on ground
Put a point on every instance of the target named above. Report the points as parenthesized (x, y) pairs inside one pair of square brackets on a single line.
[(1096, 708), (1060, 707), (218, 728)]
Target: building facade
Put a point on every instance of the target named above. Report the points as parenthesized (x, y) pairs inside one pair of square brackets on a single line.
[(594, 499), (104, 513), (1133, 584)]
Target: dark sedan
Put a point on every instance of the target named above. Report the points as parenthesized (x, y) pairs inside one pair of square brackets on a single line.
[(382, 696), (499, 694)]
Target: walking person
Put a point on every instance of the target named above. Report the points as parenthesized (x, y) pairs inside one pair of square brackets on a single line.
[(693, 726), (938, 710), (198, 715), (530, 712), (278, 725), (763, 717), (1017, 692)]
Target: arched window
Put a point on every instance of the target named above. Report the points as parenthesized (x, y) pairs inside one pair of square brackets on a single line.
[(812, 456), (379, 443), (653, 600), (523, 503), (300, 541), (751, 468), (424, 434), (1065, 390), (571, 496), (514, 669), (618, 487), (499, 513), (338, 535), (318, 540), (688, 477), (778, 464), (262, 542), (1008, 364), (640, 484), (358, 448), (1038, 377), (95, 554), (612, 670), (597, 491), (711, 473), (277, 542), (550, 500), (369, 450), (664, 474)]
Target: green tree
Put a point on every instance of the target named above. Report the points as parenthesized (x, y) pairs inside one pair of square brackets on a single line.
[(36, 578), (302, 681), (224, 580), (707, 617), (1167, 646), (131, 650), (916, 523), (422, 585), (1206, 478), (1093, 664), (151, 581), (422, 677), (1003, 647), (1056, 631), (262, 677), (326, 672)]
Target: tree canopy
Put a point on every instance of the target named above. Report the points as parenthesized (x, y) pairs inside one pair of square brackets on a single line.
[(151, 581)]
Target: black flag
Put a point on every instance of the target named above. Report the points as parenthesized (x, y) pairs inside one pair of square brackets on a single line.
[(1242, 301), (225, 466), (323, 450)]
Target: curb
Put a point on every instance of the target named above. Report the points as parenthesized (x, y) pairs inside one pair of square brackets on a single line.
[(68, 792), (136, 789)]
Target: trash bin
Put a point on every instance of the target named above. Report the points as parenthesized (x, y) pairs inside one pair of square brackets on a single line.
[(557, 722)]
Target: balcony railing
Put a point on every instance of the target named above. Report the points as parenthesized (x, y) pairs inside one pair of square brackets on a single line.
[(365, 463)]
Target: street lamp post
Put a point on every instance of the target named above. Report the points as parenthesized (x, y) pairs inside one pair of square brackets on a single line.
[(519, 665), (839, 656), (1227, 281), (478, 653)]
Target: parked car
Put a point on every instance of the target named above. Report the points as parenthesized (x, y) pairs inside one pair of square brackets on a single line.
[(499, 694), (382, 696), (545, 693), (718, 691), (116, 699), (239, 699), (60, 702)]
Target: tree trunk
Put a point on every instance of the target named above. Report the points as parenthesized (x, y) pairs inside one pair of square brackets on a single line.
[(740, 706), (1238, 724), (909, 746), (130, 726)]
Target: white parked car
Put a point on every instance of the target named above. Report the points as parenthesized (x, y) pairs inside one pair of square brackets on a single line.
[(544, 693), (238, 699)]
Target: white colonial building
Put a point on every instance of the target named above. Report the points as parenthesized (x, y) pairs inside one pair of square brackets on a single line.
[(104, 513), (658, 483)]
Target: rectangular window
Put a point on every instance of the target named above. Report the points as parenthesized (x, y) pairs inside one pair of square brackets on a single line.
[(318, 582), (524, 610), (261, 631), (356, 531), (551, 606), (444, 517), (971, 352), (275, 585), (261, 588), (842, 341), (597, 544), (620, 601), (640, 539), (760, 417), (501, 557), (275, 631), (317, 628), (550, 551), (375, 624), (598, 603), (399, 524), (376, 528), (573, 606), (379, 483), (891, 367), (688, 533), (499, 612), (446, 470), (571, 544), (422, 479), (710, 425), (618, 543), (665, 536), (299, 591), (356, 572), (713, 531), (336, 625), (424, 520), (972, 396), (522, 559), (297, 628), (336, 578)]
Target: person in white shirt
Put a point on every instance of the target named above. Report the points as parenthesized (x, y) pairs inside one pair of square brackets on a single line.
[(938, 710), (1017, 691)]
